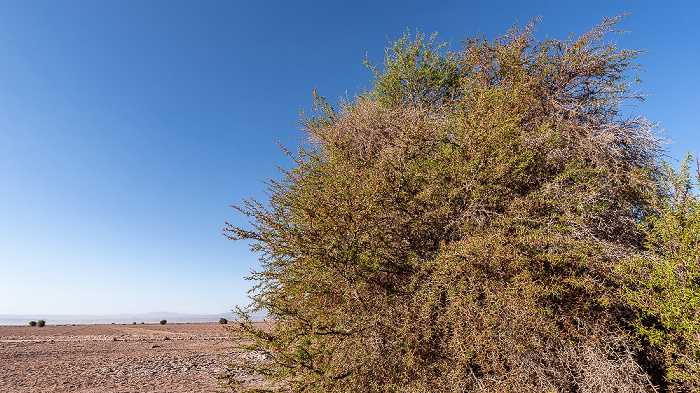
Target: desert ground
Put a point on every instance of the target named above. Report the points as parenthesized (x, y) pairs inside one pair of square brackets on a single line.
[(184, 357)]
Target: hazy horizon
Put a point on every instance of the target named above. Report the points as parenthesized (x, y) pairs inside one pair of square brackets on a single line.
[(128, 318)]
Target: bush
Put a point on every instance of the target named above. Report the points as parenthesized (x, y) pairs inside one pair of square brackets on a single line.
[(41, 323), (133, 323), (666, 279), (163, 321), (32, 323), (462, 226), (223, 321)]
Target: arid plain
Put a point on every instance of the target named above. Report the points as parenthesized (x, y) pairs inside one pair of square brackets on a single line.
[(185, 357)]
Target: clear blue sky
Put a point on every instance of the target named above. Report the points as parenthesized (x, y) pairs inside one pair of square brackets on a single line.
[(128, 127)]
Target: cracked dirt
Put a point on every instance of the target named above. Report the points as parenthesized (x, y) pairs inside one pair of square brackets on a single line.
[(118, 358)]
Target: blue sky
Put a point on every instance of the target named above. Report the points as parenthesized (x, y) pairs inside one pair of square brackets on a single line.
[(128, 127)]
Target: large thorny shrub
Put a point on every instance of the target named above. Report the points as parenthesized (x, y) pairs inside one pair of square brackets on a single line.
[(474, 222)]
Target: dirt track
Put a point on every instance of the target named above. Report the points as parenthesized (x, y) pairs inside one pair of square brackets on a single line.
[(116, 358)]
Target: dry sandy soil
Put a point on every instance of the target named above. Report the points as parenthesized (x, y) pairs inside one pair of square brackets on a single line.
[(118, 358)]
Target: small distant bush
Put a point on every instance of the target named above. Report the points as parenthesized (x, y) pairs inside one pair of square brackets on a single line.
[(143, 323), (133, 323), (32, 323), (223, 321), (163, 321), (41, 323)]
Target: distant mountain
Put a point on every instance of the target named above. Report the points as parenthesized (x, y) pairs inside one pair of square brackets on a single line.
[(152, 317)]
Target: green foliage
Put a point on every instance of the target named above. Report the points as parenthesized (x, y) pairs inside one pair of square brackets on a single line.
[(223, 321), (163, 321), (41, 323), (461, 227), (667, 278), (416, 72), (32, 323)]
